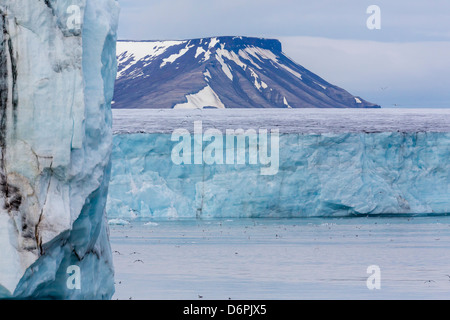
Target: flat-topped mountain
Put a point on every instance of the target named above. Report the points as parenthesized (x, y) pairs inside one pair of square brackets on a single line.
[(220, 72)]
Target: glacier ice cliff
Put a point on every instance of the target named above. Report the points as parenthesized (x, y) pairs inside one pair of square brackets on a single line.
[(342, 173), (57, 71)]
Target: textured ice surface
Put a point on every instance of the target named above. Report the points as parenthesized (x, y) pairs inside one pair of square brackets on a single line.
[(57, 75), (329, 166)]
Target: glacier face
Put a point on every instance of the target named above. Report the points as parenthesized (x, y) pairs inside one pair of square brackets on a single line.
[(342, 173), (57, 76)]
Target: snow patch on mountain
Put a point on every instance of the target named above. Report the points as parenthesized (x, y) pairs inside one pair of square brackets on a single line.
[(175, 56), (132, 52), (213, 43), (202, 99), (207, 74), (199, 51), (225, 67)]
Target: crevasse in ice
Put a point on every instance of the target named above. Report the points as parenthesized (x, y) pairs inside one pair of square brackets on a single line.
[(57, 61)]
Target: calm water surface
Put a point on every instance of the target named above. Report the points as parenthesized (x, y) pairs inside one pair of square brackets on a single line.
[(318, 258)]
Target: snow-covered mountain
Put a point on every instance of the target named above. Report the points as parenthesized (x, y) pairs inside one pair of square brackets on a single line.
[(220, 72)]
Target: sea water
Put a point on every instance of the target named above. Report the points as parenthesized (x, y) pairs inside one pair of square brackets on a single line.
[(312, 258)]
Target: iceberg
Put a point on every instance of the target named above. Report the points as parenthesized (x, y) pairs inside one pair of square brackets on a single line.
[(58, 66), (331, 164)]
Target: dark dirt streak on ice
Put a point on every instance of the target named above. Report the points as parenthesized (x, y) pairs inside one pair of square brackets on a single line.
[(11, 194)]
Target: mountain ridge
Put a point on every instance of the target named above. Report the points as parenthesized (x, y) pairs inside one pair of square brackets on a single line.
[(248, 40)]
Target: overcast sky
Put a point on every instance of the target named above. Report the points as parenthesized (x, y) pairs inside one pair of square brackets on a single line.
[(406, 63)]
